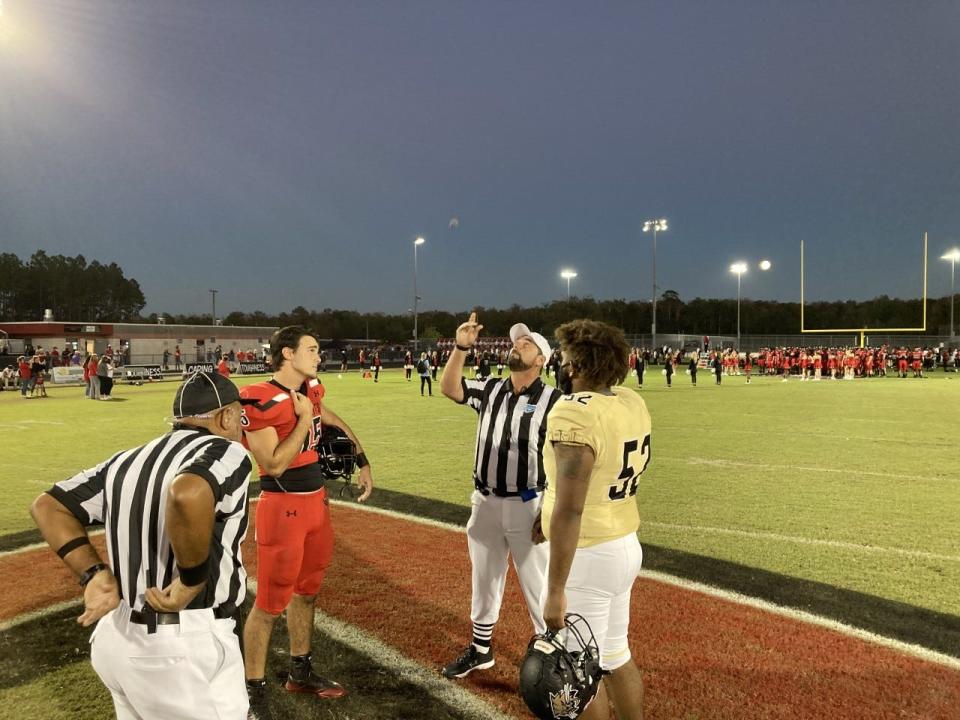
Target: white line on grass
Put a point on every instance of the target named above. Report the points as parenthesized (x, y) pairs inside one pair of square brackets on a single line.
[(37, 614), (804, 541), (721, 462), (765, 431), (917, 651), (380, 653), (907, 648), (41, 545)]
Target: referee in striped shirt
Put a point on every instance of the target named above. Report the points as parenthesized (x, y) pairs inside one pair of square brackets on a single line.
[(508, 479), (175, 512)]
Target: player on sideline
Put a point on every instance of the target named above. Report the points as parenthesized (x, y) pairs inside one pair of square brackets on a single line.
[(599, 437), (293, 530)]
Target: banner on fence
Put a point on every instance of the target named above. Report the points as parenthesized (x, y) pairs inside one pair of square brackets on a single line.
[(72, 375)]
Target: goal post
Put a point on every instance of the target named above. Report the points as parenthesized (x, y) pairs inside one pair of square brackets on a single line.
[(862, 331)]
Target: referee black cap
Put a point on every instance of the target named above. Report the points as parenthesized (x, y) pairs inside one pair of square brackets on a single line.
[(203, 393)]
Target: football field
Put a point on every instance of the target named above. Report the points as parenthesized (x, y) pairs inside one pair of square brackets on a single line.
[(839, 498)]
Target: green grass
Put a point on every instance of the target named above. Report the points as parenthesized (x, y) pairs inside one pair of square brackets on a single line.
[(757, 474)]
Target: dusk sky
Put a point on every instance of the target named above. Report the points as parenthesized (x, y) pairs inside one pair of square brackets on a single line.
[(288, 153)]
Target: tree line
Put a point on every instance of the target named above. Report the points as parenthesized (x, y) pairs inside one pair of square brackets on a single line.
[(77, 290), (69, 286)]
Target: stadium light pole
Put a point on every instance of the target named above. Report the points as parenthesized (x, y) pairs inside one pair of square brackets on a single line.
[(213, 297), (416, 296), (739, 268), (953, 256), (655, 226), (568, 275)]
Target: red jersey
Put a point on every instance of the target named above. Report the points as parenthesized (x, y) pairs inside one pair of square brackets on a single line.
[(274, 408), (223, 368)]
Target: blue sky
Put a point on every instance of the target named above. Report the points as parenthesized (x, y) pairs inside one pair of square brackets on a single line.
[(288, 153)]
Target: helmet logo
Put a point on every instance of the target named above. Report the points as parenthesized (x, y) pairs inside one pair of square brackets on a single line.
[(566, 703)]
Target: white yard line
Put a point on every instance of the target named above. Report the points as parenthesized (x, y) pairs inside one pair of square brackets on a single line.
[(764, 432), (721, 462), (903, 552), (916, 651), (453, 695)]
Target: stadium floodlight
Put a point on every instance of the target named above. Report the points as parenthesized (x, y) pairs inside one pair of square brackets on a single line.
[(654, 226), (568, 275), (213, 297), (953, 256), (416, 295), (739, 268), (764, 264)]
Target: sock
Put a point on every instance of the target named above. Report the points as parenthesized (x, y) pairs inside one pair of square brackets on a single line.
[(481, 637), (256, 684)]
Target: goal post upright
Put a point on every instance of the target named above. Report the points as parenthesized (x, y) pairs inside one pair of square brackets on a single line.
[(861, 331)]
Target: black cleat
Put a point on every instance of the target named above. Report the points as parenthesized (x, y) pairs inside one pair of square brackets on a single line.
[(471, 659), (302, 679), (259, 707)]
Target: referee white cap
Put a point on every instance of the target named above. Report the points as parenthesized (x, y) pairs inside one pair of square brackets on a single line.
[(520, 330)]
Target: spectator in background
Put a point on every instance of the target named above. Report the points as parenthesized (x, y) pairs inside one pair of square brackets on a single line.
[(75, 358), (408, 365), (343, 360), (54, 357), (166, 359), (176, 357), (693, 368), (434, 362), (222, 367), (94, 378), (23, 369), (375, 366), (423, 370), (39, 385), (8, 378), (105, 376)]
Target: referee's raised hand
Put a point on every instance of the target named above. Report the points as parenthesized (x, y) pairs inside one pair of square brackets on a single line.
[(467, 333)]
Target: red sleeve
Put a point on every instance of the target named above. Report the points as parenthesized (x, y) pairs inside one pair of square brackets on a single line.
[(269, 410)]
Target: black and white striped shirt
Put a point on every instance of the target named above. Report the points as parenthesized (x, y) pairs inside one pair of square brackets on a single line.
[(128, 494), (510, 435)]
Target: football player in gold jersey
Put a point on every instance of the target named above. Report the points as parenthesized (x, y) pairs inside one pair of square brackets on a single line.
[(599, 437)]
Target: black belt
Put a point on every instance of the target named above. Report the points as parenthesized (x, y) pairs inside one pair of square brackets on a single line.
[(152, 617), (502, 493)]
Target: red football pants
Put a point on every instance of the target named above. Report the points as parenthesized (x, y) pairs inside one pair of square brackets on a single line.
[(294, 545)]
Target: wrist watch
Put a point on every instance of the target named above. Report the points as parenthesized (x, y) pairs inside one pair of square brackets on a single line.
[(90, 572)]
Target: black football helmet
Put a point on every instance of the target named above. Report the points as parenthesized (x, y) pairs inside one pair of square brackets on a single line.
[(556, 682), (337, 453)]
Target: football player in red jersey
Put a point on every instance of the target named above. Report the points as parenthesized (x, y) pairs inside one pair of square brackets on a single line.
[(293, 531)]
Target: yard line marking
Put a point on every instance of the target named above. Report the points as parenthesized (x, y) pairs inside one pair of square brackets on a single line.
[(42, 545), (917, 651), (906, 648), (435, 685), (722, 462), (37, 614), (945, 442), (805, 541)]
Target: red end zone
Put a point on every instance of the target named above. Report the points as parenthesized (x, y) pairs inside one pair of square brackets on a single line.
[(408, 584)]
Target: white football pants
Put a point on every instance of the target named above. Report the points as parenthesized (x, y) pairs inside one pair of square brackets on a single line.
[(498, 529), (598, 588), (180, 672)]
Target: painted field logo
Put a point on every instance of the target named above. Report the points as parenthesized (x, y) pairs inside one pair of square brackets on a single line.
[(565, 703)]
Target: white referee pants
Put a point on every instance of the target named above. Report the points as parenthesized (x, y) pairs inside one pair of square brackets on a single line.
[(498, 529), (189, 671)]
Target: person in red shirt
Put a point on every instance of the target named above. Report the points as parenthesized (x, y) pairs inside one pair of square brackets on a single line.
[(785, 366), (94, 378), (24, 372), (868, 364), (282, 421), (223, 368), (902, 362)]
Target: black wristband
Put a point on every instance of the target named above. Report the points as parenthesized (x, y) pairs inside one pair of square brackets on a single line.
[(195, 575), (462, 348), (362, 461), (90, 572), (72, 545)]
